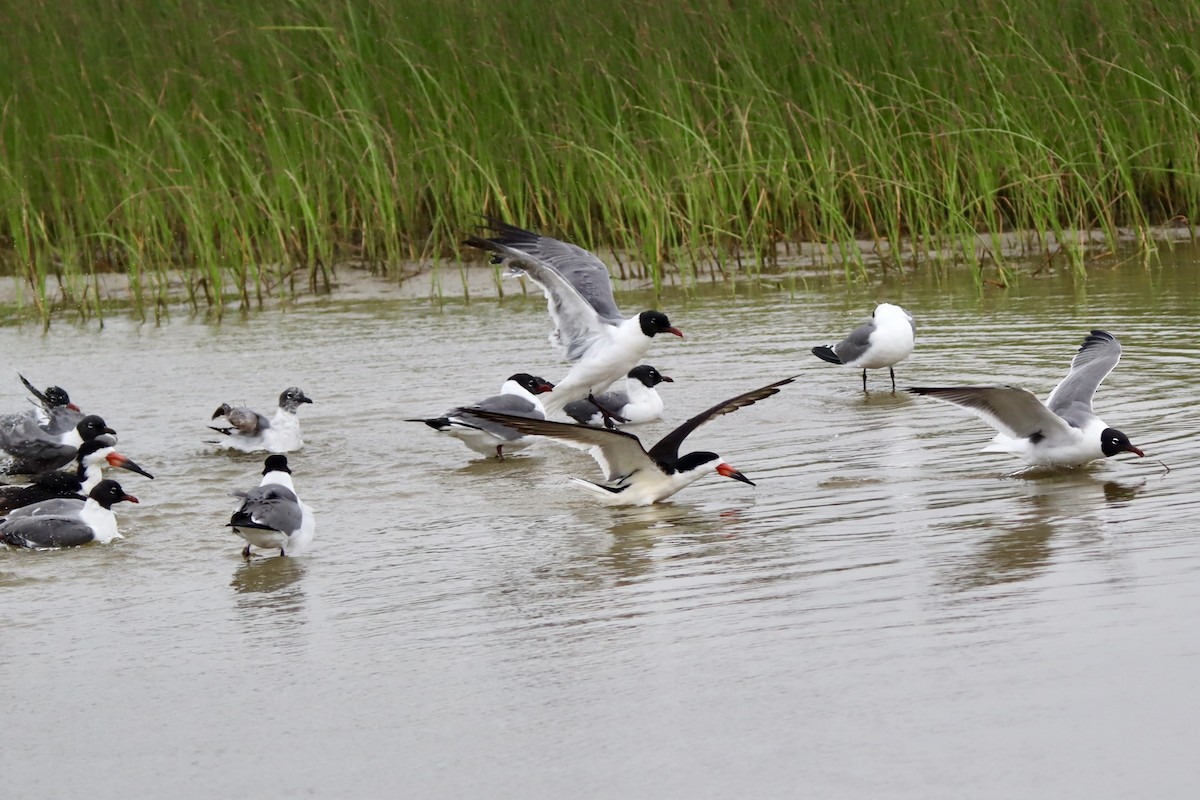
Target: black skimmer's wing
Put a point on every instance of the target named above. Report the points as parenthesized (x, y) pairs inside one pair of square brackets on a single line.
[(619, 454), (667, 448)]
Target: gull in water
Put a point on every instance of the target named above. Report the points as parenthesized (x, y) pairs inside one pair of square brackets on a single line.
[(1063, 431), (636, 476), (518, 396), (600, 342)]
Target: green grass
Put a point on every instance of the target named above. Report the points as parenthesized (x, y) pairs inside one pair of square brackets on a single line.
[(248, 148)]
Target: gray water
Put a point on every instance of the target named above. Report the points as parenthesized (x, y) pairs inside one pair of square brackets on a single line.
[(890, 612)]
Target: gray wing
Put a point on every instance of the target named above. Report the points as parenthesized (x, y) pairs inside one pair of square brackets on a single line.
[(501, 404), (854, 345), (36, 454), (1011, 410), (56, 507), (45, 532), (577, 322), (247, 421), (272, 506), (61, 419), (1072, 398), (619, 454), (582, 411)]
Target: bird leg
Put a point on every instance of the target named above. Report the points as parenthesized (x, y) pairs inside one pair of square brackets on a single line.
[(610, 419), (865, 382), (892, 372), (246, 552), (281, 553), (500, 452)]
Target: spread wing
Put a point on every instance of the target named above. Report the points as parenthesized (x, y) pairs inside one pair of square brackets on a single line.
[(618, 453), (273, 507), (667, 448), (1011, 410), (565, 272), (1097, 356)]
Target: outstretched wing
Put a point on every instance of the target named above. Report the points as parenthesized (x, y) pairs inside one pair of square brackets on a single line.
[(1097, 356), (667, 448), (1011, 410), (564, 272), (618, 453)]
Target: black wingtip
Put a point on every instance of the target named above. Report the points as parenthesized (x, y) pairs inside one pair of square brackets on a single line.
[(825, 353)]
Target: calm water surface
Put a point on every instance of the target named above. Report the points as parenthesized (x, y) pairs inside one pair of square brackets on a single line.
[(890, 613)]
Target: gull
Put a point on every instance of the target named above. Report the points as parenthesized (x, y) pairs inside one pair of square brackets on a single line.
[(35, 451), (53, 412), (272, 515), (886, 340), (1064, 431), (91, 457), (638, 402), (600, 342), (518, 396), (250, 431), (93, 521), (636, 476)]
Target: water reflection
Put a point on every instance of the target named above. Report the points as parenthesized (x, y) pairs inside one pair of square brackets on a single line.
[(270, 584), (1053, 503)]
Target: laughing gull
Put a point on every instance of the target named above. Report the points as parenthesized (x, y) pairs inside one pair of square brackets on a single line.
[(1062, 432), (638, 402), (250, 431), (53, 412), (636, 476), (54, 492), (271, 514), (35, 451), (93, 521), (596, 338), (518, 396), (883, 342)]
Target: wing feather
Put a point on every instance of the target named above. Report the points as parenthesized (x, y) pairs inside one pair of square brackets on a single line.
[(1011, 410), (667, 448), (1097, 357)]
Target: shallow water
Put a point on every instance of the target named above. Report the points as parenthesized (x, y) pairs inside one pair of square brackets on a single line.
[(889, 612)]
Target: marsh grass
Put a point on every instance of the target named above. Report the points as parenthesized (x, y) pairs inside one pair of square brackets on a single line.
[(251, 147)]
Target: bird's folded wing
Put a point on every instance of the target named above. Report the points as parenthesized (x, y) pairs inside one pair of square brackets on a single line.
[(1011, 410), (618, 453), (46, 532), (271, 506)]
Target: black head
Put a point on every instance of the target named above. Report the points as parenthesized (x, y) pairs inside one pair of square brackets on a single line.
[(532, 383), (648, 375), (276, 463), (107, 492), (57, 396), (1112, 441), (654, 322), (291, 399), (693, 461), (92, 426)]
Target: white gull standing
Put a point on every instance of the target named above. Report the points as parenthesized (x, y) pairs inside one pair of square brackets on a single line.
[(884, 341), (272, 515), (597, 339), (1063, 431)]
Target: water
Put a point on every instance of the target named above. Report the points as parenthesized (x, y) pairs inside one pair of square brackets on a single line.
[(889, 613)]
